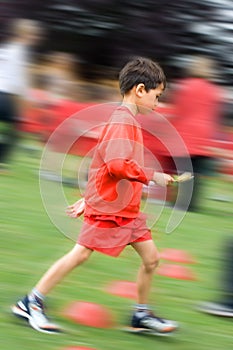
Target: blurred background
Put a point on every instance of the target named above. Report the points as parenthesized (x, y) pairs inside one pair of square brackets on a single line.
[(72, 53), (103, 33), (82, 46)]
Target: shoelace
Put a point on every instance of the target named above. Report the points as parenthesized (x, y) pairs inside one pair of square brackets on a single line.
[(38, 302), (151, 315), (38, 313), (41, 308)]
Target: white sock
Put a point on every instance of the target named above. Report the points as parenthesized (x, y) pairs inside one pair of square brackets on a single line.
[(35, 294), (141, 307)]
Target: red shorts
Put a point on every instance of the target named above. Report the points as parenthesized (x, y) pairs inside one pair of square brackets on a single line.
[(111, 234)]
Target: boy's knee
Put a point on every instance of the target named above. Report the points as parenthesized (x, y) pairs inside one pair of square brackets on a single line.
[(85, 254), (79, 256), (152, 263)]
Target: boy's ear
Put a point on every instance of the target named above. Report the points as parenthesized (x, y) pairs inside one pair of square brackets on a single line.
[(140, 89)]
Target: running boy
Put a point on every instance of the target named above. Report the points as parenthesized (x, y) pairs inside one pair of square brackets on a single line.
[(111, 205)]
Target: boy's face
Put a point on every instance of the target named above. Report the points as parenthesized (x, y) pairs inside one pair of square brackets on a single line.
[(147, 101)]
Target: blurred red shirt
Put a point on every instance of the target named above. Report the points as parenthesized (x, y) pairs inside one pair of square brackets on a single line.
[(197, 106)]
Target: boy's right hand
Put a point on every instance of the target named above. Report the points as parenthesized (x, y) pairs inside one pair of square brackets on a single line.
[(162, 179), (77, 209)]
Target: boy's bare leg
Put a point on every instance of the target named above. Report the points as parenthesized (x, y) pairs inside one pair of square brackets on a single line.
[(31, 307), (150, 258), (62, 267), (143, 319)]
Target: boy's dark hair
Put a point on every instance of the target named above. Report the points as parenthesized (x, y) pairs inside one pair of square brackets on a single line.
[(141, 70)]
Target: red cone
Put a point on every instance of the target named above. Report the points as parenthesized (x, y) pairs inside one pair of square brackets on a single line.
[(78, 348), (179, 256), (123, 289), (175, 271), (89, 314)]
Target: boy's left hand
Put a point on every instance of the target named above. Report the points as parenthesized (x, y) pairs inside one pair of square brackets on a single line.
[(77, 209)]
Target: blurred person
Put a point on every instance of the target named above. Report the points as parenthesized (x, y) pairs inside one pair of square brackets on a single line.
[(197, 104), (60, 75), (14, 81), (100, 91), (37, 118), (224, 306), (85, 95), (111, 204), (53, 84)]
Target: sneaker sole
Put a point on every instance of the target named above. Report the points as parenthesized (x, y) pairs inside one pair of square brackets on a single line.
[(17, 311), (216, 312), (148, 331)]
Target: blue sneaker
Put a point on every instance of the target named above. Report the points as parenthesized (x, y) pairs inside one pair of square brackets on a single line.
[(34, 313), (146, 322)]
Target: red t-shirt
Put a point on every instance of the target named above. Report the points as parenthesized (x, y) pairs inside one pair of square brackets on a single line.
[(117, 171), (197, 110)]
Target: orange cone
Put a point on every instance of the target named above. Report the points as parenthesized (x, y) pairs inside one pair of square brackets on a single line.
[(78, 348), (179, 256), (124, 289), (176, 271), (89, 314)]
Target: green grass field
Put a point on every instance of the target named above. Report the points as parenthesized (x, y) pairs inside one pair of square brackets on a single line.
[(30, 243)]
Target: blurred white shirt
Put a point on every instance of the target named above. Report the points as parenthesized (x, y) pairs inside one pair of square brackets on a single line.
[(13, 69)]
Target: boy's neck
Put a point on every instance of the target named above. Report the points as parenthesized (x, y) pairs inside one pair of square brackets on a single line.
[(128, 103)]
